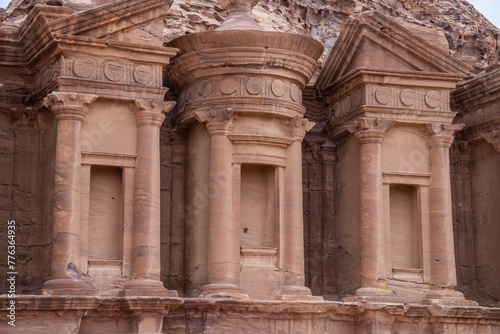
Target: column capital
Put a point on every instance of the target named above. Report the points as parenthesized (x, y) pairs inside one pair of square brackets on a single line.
[(69, 106), (440, 129), (152, 113), (160, 107), (493, 138), (300, 126), (218, 122), (441, 135), (369, 130)]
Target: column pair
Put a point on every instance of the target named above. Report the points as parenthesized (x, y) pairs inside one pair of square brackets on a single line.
[(69, 110)]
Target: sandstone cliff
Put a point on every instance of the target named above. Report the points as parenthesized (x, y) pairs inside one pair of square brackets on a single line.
[(470, 35)]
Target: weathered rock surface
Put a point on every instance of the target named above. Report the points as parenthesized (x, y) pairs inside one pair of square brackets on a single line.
[(470, 35)]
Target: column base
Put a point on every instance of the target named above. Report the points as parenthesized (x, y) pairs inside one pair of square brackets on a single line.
[(146, 288), (375, 295), (222, 291), (68, 287), (297, 293), (447, 297)]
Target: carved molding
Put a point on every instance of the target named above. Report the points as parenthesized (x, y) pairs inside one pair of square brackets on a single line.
[(109, 159)]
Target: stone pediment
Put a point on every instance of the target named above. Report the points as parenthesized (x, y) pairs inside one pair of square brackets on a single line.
[(125, 21), (119, 20), (374, 41), (114, 50)]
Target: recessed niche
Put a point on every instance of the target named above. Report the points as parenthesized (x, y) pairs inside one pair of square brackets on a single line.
[(405, 227), (257, 215), (106, 213)]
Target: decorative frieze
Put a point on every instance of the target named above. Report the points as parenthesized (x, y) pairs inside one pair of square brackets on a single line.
[(243, 86), (113, 71), (408, 97)]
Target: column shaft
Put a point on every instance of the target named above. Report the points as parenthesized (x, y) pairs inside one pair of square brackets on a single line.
[(66, 225), (221, 229), (441, 224), (145, 252), (372, 210), (294, 227), (292, 247), (146, 236), (69, 110)]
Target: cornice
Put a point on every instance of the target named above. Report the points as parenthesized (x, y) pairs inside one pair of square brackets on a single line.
[(218, 39)]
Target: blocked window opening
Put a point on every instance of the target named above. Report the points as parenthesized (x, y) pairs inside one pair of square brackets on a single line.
[(257, 211), (106, 213), (405, 227)]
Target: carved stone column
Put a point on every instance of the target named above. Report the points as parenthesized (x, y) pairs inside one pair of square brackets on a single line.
[(443, 271), (370, 134), (223, 268), (146, 224), (442, 251), (69, 110), (295, 288), (260, 80)]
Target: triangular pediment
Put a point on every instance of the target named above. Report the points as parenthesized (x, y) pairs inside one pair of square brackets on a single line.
[(115, 20), (372, 40), (133, 21)]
